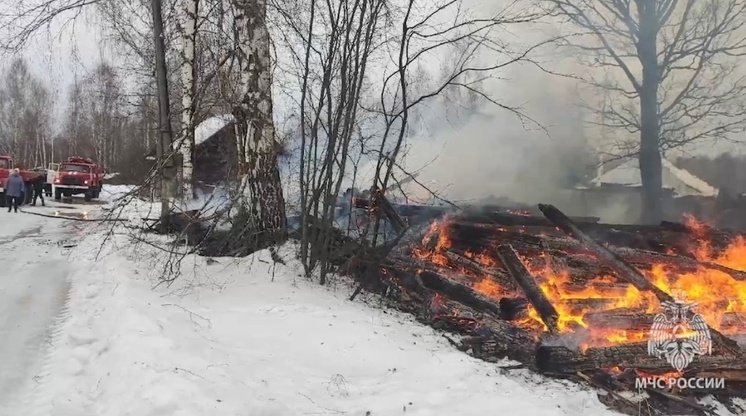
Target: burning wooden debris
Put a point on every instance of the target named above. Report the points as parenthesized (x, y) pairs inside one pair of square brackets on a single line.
[(576, 299)]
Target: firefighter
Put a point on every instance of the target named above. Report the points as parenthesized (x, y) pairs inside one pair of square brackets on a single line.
[(14, 190), (38, 183)]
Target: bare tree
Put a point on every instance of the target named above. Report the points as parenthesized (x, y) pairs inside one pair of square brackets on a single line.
[(357, 66), (334, 67), (165, 154), (443, 28), (262, 205), (102, 110), (75, 119), (671, 79)]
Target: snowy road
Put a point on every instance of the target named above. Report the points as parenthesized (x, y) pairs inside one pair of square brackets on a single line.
[(33, 289)]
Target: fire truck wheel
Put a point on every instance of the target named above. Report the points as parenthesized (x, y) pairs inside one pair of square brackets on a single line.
[(88, 196), (57, 194)]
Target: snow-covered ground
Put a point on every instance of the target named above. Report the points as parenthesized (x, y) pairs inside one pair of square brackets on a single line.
[(248, 337), (33, 288)]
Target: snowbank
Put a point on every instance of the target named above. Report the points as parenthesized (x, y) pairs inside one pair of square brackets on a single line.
[(249, 337), (206, 201)]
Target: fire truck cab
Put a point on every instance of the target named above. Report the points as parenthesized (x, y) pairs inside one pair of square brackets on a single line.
[(78, 175)]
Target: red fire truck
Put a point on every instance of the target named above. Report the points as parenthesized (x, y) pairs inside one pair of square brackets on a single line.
[(79, 175), (6, 165)]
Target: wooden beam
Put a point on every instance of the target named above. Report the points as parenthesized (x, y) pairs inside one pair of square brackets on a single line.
[(533, 292)]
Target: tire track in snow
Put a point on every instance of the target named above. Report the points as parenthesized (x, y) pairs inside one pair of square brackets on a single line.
[(29, 233), (39, 398), (32, 296)]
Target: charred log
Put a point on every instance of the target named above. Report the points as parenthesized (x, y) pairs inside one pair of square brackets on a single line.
[(460, 260), (625, 271), (381, 203), (580, 305), (494, 339), (523, 278), (680, 262), (469, 297), (512, 219), (627, 319), (563, 360), (417, 213), (514, 308)]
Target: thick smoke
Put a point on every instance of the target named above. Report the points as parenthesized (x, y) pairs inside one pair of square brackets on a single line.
[(471, 150), (493, 153)]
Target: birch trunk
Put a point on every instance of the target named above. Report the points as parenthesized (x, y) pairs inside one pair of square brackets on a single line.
[(262, 200), (188, 75)]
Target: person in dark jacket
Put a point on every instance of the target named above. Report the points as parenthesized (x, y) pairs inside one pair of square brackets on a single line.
[(14, 188), (38, 184)]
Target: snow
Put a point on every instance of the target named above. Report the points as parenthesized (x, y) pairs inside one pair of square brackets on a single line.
[(216, 200), (249, 337), (627, 174), (681, 181), (697, 185), (209, 127), (33, 288)]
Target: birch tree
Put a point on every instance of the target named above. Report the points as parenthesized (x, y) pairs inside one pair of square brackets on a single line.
[(188, 79), (262, 204), (672, 77)]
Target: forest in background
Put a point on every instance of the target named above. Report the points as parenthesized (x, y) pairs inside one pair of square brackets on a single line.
[(99, 121)]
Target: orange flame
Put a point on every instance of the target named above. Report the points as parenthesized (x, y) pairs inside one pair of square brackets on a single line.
[(719, 298)]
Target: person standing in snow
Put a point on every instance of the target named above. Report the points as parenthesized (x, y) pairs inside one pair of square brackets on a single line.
[(14, 188), (38, 183)]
